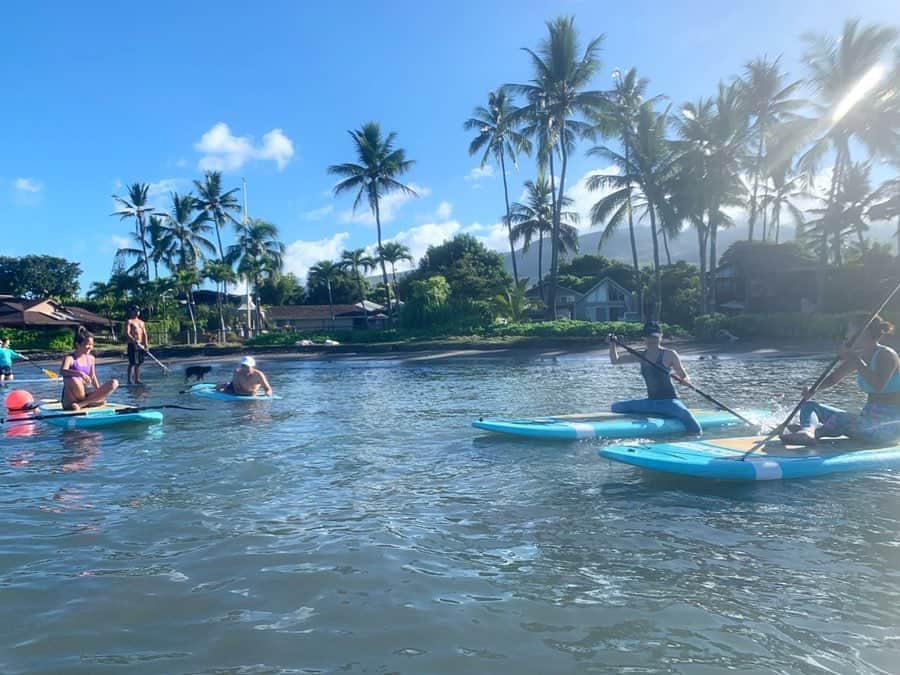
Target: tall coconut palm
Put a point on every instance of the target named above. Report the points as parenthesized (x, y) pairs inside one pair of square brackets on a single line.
[(159, 243), (783, 195), (648, 169), (221, 274), (714, 136), (135, 206), (357, 260), (534, 220), (393, 252), (498, 138), (185, 228), (380, 163), (886, 205), (219, 207), (257, 252), (558, 93), (855, 104), (322, 274), (769, 101), (618, 120)]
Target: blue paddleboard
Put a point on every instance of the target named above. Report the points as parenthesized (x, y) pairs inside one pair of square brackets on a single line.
[(101, 416), (721, 458), (611, 425), (209, 391)]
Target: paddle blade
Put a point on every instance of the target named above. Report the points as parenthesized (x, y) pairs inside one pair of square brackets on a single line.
[(50, 374)]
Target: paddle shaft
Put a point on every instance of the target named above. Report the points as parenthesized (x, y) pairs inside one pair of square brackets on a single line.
[(158, 362), (48, 373), (709, 398), (818, 383)]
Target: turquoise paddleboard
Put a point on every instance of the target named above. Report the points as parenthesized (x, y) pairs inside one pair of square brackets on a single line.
[(101, 416), (210, 391), (720, 458), (611, 425)]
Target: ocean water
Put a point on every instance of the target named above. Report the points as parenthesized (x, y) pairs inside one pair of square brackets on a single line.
[(361, 525)]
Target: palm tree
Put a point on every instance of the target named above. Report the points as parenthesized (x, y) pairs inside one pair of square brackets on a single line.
[(355, 260), (534, 220), (785, 190), (218, 206), (769, 102), (184, 230), (714, 136), (257, 252), (513, 303), (221, 274), (556, 96), (649, 168), (619, 120), (887, 205), (393, 252), (852, 108), (185, 280), (374, 176), (322, 274), (134, 205), (498, 137)]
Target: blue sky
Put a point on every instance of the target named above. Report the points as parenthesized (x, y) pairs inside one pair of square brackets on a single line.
[(99, 95)]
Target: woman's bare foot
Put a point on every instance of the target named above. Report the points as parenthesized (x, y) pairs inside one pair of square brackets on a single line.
[(801, 437), (74, 406)]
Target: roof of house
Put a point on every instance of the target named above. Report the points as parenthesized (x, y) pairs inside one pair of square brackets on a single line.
[(24, 313), (536, 290), (312, 312), (604, 280)]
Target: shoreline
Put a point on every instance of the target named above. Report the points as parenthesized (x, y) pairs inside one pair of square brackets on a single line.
[(528, 348)]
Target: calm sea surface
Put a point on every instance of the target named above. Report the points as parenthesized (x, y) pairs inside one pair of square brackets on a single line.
[(361, 525)]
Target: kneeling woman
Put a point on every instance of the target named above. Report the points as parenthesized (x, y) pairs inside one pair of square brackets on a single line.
[(877, 369), (77, 370), (662, 399)]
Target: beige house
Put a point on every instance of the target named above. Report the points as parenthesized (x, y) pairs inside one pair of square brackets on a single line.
[(300, 318)]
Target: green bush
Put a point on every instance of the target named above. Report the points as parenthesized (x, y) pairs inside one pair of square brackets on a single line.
[(572, 328), (777, 325), (59, 340)]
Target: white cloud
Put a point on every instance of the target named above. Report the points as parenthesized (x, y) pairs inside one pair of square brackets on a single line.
[(319, 214), (28, 185), (121, 242), (388, 207), (494, 237), (583, 199), (224, 151), (419, 238), (300, 255), (444, 210), (480, 173)]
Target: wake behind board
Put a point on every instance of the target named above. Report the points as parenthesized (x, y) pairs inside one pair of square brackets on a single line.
[(611, 425), (101, 416), (209, 391), (720, 459)]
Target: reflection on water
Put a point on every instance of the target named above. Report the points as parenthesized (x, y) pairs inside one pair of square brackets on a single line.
[(360, 524)]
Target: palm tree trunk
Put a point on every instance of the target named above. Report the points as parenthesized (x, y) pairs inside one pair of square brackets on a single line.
[(713, 259), (757, 169), (554, 240), (362, 297), (776, 223), (221, 312), (394, 277), (512, 245), (387, 288), (823, 255), (541, 262), (634, 256), (143, 235), (330, 303), (701, 241), (657, 310), (557, 209), (665, 239), (190, 304)]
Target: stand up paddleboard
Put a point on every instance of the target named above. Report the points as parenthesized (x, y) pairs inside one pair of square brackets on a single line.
[(611, 425), (721, 458), (209, 391), (101, 416)]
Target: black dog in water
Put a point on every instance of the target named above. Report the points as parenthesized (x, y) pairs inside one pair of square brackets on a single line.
[(197, 372)]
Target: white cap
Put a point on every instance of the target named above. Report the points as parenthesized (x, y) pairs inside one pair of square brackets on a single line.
[(248, 361)]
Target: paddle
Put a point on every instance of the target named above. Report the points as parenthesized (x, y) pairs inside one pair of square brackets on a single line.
[(48, 373), (158, 362), (818, 383), (709, 398), (88, 411)]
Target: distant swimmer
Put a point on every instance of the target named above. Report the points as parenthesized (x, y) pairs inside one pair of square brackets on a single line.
[(247, 380), (662, 399), (77, 370), (877, 369)]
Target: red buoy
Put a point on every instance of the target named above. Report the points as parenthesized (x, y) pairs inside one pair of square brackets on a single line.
[(19, 399)]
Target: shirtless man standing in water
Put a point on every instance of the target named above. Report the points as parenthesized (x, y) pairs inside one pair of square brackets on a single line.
[(247, 380), (136, 333)]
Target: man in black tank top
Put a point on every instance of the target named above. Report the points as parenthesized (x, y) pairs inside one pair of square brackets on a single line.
[(662, 399)]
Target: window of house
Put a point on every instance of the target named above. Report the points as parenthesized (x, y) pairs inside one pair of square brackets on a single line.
[(616, 294)]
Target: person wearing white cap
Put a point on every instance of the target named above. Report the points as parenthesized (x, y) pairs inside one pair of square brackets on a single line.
[(247, 380)]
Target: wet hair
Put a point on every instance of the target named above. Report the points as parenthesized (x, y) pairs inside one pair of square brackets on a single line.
[(876, 328), (82, 335), (134, 310)]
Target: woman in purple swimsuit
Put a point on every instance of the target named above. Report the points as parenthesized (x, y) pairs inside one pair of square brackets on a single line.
[(77, 370)]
